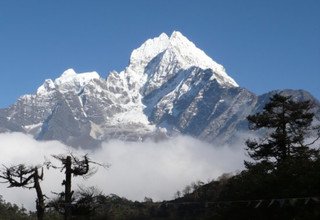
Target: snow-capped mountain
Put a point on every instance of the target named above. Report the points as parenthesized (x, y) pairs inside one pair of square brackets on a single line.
[(170, 86)]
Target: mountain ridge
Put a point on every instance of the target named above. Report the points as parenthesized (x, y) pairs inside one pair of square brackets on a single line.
[(170, 86)]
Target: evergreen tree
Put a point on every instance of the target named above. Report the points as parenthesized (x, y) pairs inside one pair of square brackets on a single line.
[(290, 124)]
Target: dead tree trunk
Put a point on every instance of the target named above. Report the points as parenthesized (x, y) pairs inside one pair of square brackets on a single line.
[(26, 177), (40, 197), (76, 167), (68, 192)]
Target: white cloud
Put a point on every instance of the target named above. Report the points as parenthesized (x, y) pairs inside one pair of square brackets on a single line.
[(155, 170), (18, 148)]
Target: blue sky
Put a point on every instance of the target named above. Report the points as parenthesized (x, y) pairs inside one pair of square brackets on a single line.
[(263, 44)]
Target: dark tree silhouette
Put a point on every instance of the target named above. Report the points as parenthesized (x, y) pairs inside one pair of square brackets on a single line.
[(26, 177), (290, 124), (76, 166), (87, 201)]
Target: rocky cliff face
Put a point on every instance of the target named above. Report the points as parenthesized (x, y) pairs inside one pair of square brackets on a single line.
[(169, 87)]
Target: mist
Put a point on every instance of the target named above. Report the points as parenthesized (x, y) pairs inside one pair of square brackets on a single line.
[(138, 169)]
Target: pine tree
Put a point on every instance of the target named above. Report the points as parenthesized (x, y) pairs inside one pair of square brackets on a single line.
[(289, 124)]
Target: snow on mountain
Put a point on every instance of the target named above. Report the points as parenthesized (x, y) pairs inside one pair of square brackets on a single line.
[(69, 80), (160, 58), (170, 86)]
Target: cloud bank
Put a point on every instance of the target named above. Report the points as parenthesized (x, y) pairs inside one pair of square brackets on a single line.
[(138, 170)]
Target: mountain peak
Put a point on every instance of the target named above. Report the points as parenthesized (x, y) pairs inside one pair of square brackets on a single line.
[(149, 49), (176, 33), (71, 76), (68, 73), (178, 36), (152, 47), (179, 50), (68, 81), (182, 43)]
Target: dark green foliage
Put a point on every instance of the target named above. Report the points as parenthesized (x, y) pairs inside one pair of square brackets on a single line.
[(10, 211), (98, 206), (288, 124), (285, 166)]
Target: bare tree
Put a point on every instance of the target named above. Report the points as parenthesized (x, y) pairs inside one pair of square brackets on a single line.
[(26, 177), (72, 166)]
